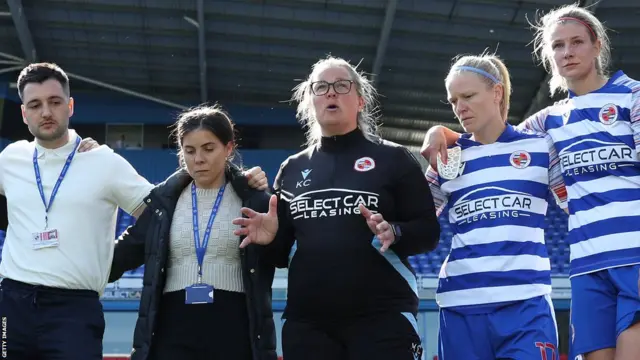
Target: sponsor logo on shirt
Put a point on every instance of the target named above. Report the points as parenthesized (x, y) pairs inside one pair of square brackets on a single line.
[(332, 203), (304, 182), (591, 156), (490, 203)]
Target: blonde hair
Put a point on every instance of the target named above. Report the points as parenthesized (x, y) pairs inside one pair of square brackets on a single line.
[(543, 51), (492, 65), (306, 113)]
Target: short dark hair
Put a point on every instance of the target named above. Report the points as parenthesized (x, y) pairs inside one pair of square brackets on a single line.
[(205, 117), (41, 72)]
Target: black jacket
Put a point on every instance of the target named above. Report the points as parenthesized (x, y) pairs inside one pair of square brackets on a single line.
[(147, 242), (4, 221), (335, 268)]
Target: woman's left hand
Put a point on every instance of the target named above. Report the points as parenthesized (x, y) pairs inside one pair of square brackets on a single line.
[(87, 144), (380, 227)]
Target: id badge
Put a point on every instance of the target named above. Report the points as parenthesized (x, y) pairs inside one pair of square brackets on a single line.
[(199, 294), (45, 239)]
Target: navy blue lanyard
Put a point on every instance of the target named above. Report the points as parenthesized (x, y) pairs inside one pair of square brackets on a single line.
[(201, 249), (65, 168)]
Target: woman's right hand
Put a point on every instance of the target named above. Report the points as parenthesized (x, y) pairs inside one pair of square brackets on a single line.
[(258, 228), (435, 142)]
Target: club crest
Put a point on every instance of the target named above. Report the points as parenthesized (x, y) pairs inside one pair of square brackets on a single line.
[(520, 159), (608, 114)]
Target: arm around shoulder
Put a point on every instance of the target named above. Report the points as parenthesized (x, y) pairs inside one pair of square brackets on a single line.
[(127, 187), (536, 122), (635, 118), (416, 225)]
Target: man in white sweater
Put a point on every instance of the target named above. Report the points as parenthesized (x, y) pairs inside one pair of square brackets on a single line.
[(62, 206)]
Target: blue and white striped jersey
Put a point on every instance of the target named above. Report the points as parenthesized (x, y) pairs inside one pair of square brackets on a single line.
[(496, 207), (597, 136)]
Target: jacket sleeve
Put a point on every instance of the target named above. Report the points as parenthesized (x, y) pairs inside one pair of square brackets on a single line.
[(416, 214), (129, 249), (278, 251), (4, 218)]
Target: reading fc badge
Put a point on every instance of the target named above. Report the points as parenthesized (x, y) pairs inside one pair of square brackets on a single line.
[(520, 159), (364, 164), (608, 114), (454, 166)]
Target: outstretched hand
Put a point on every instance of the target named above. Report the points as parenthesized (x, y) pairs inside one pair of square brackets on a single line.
[(258, 228), (380, 227)]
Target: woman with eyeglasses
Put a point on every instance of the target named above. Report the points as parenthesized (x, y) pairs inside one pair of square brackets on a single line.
[(351, 208)]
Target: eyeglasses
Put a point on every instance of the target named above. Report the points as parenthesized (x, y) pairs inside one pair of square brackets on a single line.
[(319, 88)]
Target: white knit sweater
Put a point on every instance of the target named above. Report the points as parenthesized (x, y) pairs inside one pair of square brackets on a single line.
[(221, 266)]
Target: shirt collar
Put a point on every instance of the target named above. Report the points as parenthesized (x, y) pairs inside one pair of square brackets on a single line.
[(62, 151), (341, 142), (618, 74), (508, 132)]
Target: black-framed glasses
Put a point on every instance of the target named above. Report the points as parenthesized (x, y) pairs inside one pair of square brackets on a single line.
[(322, 87)]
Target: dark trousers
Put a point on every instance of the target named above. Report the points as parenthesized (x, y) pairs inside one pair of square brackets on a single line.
[(216, 331), (42, 323), (376, 337)]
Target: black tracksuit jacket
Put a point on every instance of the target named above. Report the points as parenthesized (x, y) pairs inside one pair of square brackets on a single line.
[(335, 270)]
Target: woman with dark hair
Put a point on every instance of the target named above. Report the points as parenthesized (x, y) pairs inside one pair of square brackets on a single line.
[(212, 300)]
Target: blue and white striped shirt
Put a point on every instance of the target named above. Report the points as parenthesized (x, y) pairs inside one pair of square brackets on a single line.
[(496, 208), (597, 136)]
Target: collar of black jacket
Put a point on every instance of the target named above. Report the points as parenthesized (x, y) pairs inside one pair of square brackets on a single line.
[(168, 192), (341, 142)]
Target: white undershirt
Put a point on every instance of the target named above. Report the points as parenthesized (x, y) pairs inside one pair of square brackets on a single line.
[(84, 213)]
